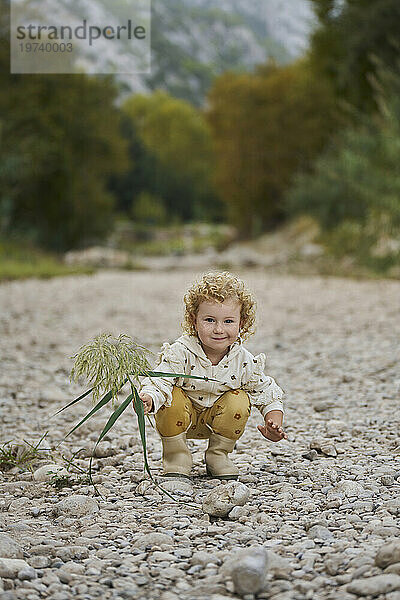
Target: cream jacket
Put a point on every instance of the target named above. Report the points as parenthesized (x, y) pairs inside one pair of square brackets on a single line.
[(238, 369)]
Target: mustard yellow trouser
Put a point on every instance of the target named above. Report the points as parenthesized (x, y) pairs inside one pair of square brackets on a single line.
[(227, 417)]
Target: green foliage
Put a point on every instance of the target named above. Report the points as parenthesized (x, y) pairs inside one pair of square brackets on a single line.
[(349, 36), (354, 192), (173, 144), (59, 141), (20, 455), (19, 259), (266, 126), (149, 210), (105, 362)]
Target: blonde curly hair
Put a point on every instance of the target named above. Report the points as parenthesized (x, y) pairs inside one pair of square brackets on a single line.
[(219, 287)]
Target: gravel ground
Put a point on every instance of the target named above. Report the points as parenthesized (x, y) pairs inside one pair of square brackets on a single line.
[(323, 506)]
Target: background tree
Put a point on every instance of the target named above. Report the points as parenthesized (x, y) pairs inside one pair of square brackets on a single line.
[(173, 143), (59, 141), (350, 34), (354, 192), (266, 126)]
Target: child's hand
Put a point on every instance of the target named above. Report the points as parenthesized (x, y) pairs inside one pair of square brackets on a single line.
[(147, 402), (272, 431)]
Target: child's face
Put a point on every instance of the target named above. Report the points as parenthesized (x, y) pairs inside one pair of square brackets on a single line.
[(217, 325)]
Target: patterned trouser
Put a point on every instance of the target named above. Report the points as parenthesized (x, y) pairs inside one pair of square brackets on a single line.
[(227, 417)]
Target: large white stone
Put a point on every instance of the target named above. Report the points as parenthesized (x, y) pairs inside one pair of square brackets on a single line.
[(152, 539), (77, 506), (224, 497), (349, 488), (9, 548), (10, 567), (47, 472), (248, 570), (388, 554), (373, 586)]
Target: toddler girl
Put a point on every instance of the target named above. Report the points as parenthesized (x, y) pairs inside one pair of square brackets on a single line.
[(219, 314)]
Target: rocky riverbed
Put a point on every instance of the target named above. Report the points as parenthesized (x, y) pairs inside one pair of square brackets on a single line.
[(317, 515)]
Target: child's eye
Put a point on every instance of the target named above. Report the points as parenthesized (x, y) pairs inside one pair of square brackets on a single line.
[(229, 321), (209, 319)]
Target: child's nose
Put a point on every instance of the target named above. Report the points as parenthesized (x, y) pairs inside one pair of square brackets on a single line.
[(218, 327)]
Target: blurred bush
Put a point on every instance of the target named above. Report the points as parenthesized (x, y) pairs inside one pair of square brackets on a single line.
[(350, 35), (265, 127), (59, 141), (149, 210), (354, 192), (172, 158), (20, 259)]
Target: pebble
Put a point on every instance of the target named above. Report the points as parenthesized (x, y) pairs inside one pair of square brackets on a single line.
[(172, 484), (349, 488), (47, 472), (373, 586), (9, 548), (10, 567), (248, 570), (388, 554), (76, 506), (320, 532), (153, 539)]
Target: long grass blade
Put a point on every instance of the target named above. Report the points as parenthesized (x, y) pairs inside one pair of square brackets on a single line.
[(160, 374), (117, 413), (98, 406), (80, 398), (73, 402), (139, 410)]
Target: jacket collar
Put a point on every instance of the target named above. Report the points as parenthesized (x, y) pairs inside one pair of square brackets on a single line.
[(192, 343)]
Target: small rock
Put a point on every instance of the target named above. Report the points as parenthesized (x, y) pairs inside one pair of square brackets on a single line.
[(39, 562), (237, 512), (388, 554), (333, 564), (249, 570), (320, 532), (336, 427), (72, 552), (175, 484), (387, 480), (203, 558), (310, 455), (349, 488), (76, 506), (373, 586), (323, 405), (10, 567), (104, 450), (26, 574), (152, 539), (394, 568), (224, 497), (328, 450), (47, 472), (9, 547), (393, 506)]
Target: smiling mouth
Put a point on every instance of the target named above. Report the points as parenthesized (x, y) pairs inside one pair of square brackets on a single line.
[(219, 339)]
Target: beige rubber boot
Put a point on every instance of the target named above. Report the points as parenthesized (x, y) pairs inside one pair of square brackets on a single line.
[(219, 465), (177, 458)]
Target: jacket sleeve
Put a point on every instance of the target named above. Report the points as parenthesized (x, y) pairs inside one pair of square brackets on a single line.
[(170, 360), (263, 391)]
